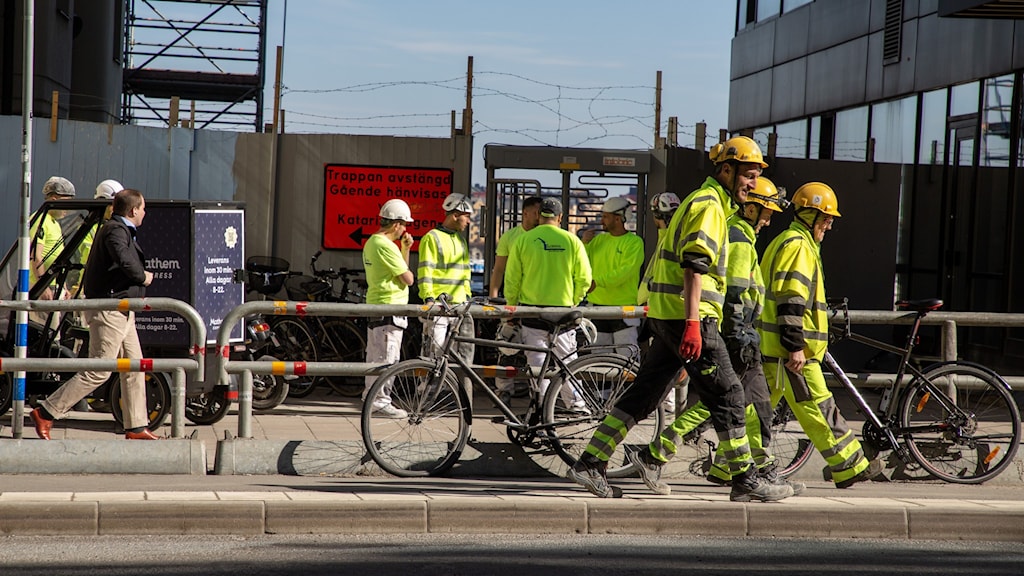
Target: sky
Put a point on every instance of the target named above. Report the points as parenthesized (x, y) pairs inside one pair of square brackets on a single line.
[(558, 73)]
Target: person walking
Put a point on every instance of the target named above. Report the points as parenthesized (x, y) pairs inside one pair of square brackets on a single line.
[(794, 334), (744, 299), (687, 295), (510, 330), (616, 257), (548, 267), (388, 278), (115, 269), (444, 269)]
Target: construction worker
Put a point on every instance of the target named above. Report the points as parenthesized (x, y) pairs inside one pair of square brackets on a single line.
[(548, 266), (388, 279), (744, 298), (794, 334), (616, 257), (685, 308), (444, 269), (663, 206), (511, 330), (47, 236)]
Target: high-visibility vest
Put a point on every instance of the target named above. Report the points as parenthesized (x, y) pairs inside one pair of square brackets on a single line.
[(794, 296), (444, 266), (697, 237)]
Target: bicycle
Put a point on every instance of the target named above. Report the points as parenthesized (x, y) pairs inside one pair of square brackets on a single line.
[(430, 440), (957, 420), (324, 339)]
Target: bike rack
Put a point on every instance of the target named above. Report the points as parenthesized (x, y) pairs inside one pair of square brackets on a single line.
[(178, 366)]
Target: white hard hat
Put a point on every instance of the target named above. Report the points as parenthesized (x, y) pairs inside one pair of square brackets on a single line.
[(396, 209), (59, 186), (107, 189), (457, 202), (664, 204), (618, 205)]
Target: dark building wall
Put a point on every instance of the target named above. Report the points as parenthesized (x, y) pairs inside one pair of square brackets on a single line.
[(828, 55)]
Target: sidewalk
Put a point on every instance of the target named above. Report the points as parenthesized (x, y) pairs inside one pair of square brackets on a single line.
[(328, 488), (122, 505)]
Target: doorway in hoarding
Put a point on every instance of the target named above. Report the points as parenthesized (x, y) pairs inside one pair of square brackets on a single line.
[(581, 178)]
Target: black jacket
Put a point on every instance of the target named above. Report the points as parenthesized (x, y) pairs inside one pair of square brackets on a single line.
[(115, 268)]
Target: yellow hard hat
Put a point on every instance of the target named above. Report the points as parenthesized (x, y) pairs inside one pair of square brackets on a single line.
[(738, 148), (768, 195), (819, 196)]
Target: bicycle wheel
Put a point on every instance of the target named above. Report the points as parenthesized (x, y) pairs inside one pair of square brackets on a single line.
[(344, 342), (295, 343), (158, 398), (429, 440), (967, 438), (599, 380), (790, 445)]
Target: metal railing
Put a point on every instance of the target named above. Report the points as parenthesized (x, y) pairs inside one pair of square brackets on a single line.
[(287, 367), (177, 366)]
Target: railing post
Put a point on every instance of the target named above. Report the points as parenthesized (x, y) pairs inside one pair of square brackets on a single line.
[(178, 404), (949, 353), (245, 405)]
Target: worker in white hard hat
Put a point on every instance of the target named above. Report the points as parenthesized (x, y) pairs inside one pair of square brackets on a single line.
[(388, 278), (105, 190), (444, 269), (616, 257)]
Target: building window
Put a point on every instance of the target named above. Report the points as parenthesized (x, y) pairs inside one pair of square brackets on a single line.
[(851, 133), (894, 127), (963, 99), (788, 5), (768, 9), (995, 121), (933, 127), (791, 139)]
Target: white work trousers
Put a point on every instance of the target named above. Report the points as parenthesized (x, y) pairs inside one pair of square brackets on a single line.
[(564, 346), (383, 345)]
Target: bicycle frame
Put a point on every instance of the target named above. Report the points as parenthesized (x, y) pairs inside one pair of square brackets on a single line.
[(452, 337)]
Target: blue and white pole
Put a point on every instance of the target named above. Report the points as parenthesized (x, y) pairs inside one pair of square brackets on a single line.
[(24, 244)]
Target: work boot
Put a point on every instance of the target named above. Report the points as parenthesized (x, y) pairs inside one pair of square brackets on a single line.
[(771, 474), (750, 486), (874, 468), (650, 470), (589, 472)]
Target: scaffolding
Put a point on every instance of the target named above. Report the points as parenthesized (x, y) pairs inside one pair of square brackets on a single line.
[(204, 56)]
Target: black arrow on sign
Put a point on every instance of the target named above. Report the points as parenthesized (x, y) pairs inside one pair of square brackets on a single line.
[(358, 236)]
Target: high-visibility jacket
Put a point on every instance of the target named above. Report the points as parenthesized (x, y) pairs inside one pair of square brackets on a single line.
[(615, 262), (547, 267), (444, 266), (383, 262), (744, 290), (47, 240), (697, 238), (508, 239), (795, 313)]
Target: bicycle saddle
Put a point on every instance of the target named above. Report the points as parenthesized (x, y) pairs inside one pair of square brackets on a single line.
[(926, 305), (560, 318)]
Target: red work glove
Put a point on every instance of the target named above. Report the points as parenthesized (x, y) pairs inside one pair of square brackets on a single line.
[(689, 347)]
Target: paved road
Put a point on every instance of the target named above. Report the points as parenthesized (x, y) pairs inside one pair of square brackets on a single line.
[(479, 555)]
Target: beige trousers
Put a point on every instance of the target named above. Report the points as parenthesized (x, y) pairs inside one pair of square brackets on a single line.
[(111, 335)]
